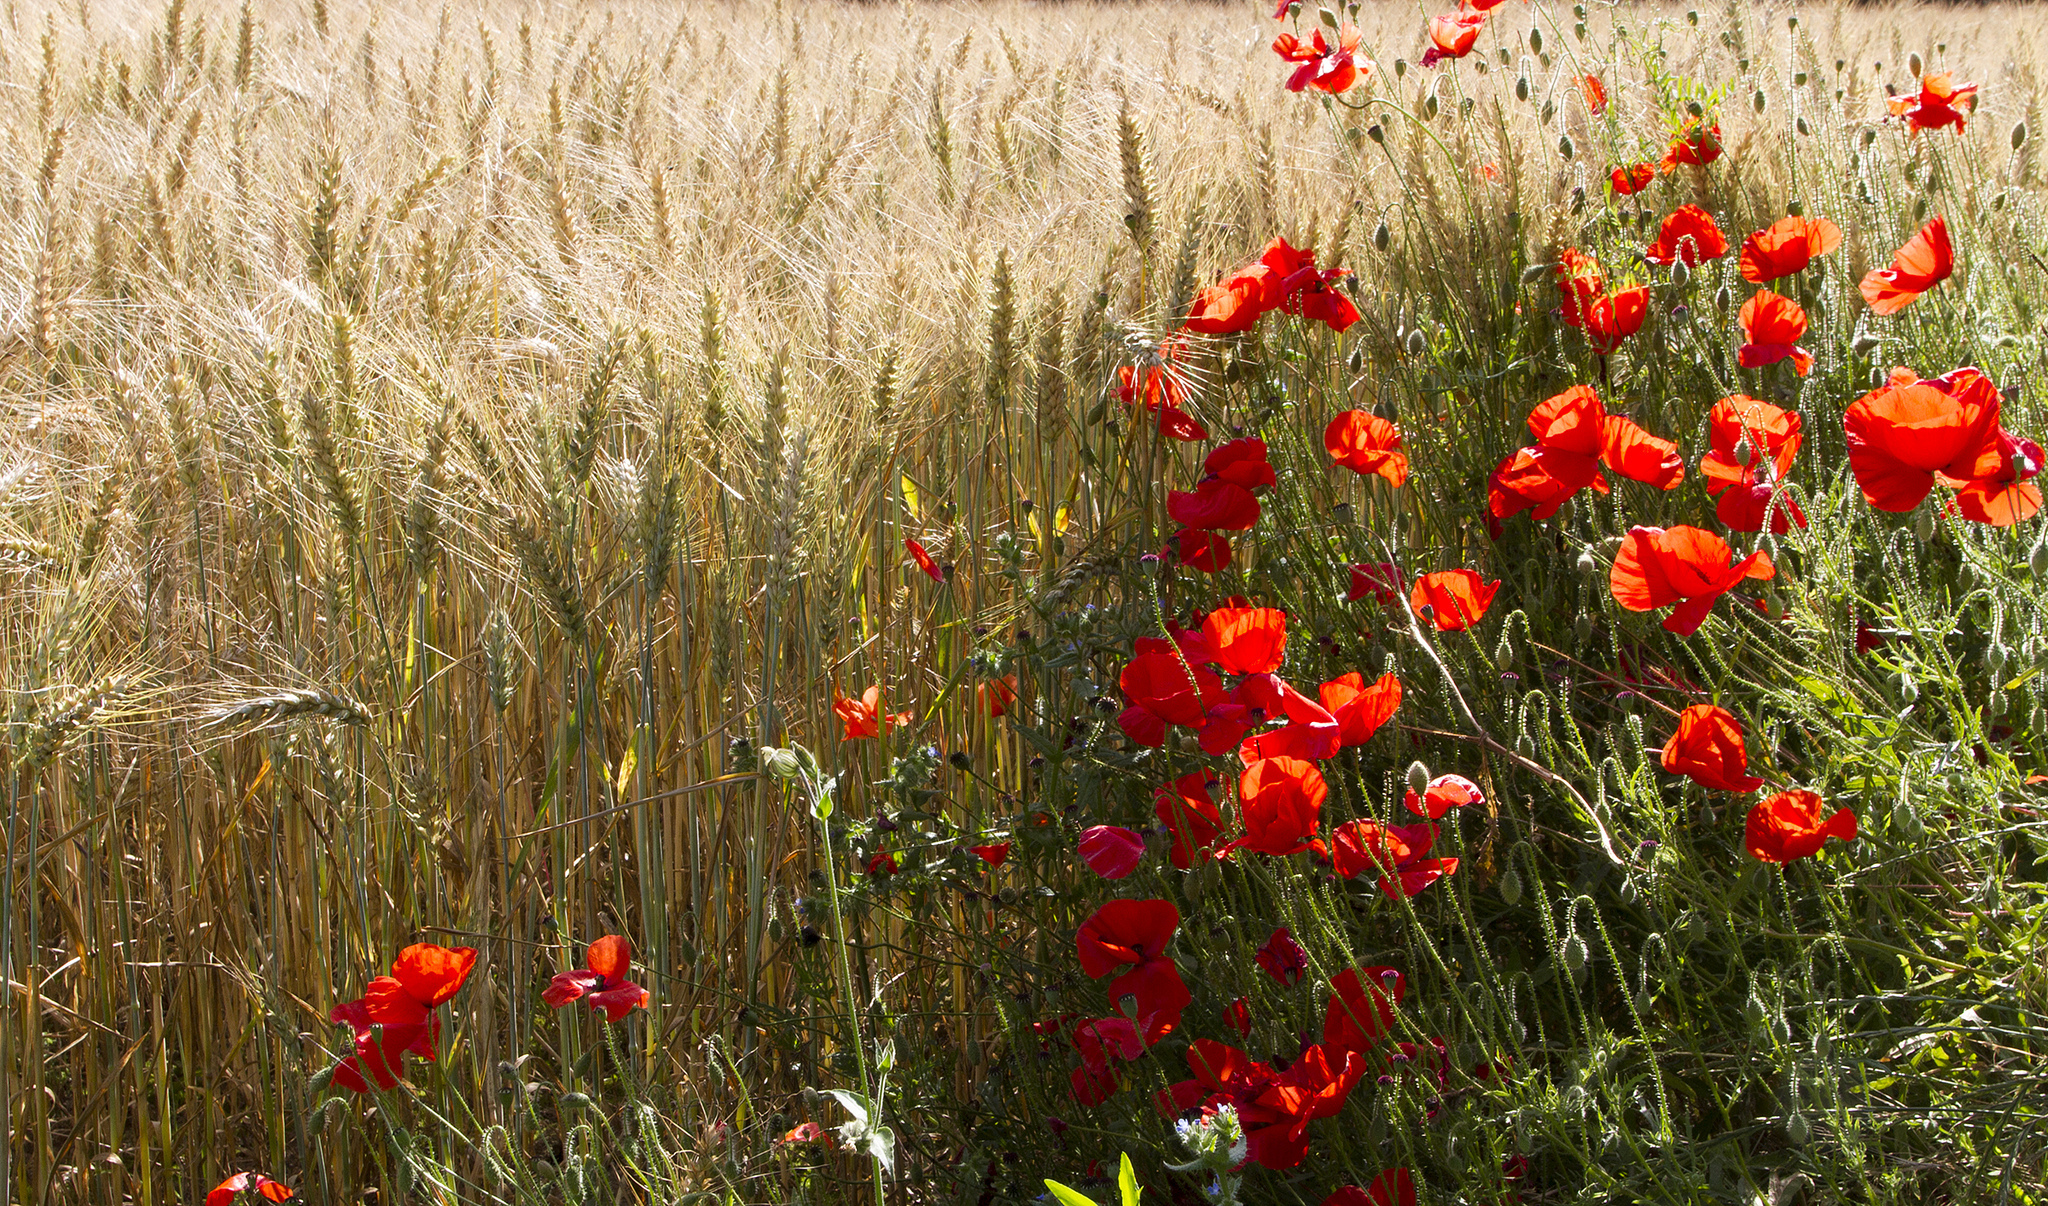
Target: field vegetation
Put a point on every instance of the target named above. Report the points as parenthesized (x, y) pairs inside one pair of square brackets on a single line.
[(464, 469)]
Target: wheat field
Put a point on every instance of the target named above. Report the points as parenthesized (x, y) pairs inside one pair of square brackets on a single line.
[(443, 443)]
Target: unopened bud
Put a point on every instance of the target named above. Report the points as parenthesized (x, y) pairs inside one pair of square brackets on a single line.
[(2019, 136), (1565, 147), (2037, 561), (1588, 564), (1798, 1130), (1511, 886), (1381, 236), (1418, 778), (1522, 88), (1680, 274), (1865, 344), (1400, 68), (1756, 100), (1913, 64), (1575, 954), (781, 763), (1535, 41), (1536, 272), (1743, 449), (1722, 300), (1417, 343)]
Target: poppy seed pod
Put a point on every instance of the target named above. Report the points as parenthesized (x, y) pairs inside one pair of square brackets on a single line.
[(1377, 134), (1400, 68)]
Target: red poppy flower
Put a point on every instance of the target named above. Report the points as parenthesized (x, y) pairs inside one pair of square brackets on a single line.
[(1214, 505), (1708, 749), (401, 1006), (601, 982), (1575, 435), (1366, 444), (1612, 318), (1333, 69), (1925, 261), (1135, 932), (1359, 709), (1687, 237), (1282, 801), (1235, 305), (1093, 1086), (1938, 104), (1395, 1187), (1311, 732), (1444, 793), (1787, 246), (1595, 93), (1456, 598), (1246, 640), (924, 560), (1275, 1109), (1632, 179), (805, 1132), (1304, 289), (1789, 826), (1100, 1040), (1208, 552), (994, 856), (1397, 851), (1111, 851), (1772, 325), (884, 865), (1185, 807), (1238, 1016), (1382, 580), (2004, 497), (996, 695), (1579, 282), (1164, 690), (1241, 462), (1693, 145), (1452, 36), (255, 1184), (1282, 958), (1161, 394), (1745, 487), (1658, 567), (1905, 433), (1361, 1009), (862, 718), (1216, 1066)]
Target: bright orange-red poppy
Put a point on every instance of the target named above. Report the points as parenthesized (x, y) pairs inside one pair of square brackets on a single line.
[(395, 1015), (1246, 640), (1695, 144), (1326, 68), (1163, 690), (924, 560), (1579, 281), (1925, 261), (2005, 496), (1906, 432), (1707, 748), (1789, 826), (601, 983), (1234, 306), (994, 855), (1595, 94), (1688, 236), (1787, 246), (1772, 326), (1456, 598), (1632, 179), (1188, 810), (862, 718), (1574, 436), (1613, 317), (1745, 487), (1360, 709), (1366, 444), (1276, 1108), (1161, 394), (256, 1185), (1452, 36), (996, 695), (1442, 794), (1691, 567), (1281, 799), (1939, 103)]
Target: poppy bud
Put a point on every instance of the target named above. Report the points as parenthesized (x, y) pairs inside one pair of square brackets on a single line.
[(1798, 1130), (1753, 1012), (1680, 274), (1418, 778), (1549, 111), (2037, 561), (1995, 657), (1908, 689), (1588, 563), (1535, 41), (1575, 954), (1536, 272), (1694, 108), (573, 1101), (1692, 16), (1357, 360), (1722, 300), (1400, 68), (1417, 343), (1522, 88), (1923, 523), (1381, 236), (1582, 628), (1913, 64), (1565, 147), (2019, 136), (1377, 134), (1865, 344), (1756, 101), (1578, 200), (1511, 886), (1579, 31), (1429, 107)]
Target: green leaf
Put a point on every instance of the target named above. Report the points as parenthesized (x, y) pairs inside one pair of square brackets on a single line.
[(1127, 1182), (1066, 1196)]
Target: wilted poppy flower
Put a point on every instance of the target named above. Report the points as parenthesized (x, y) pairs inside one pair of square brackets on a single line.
[(1282, 801), (601, 982), (1208, 552), (1444, 793), (1359, 709), (1382, 580), (996, 695), (884, 865), (1395, 1187), (1687, 237), (1579, 281), (1657, 567), (1789, 826), (1456, 598), (995, 855), (1611, 318), (1111, 851), (1632, 179), (1772, 325), (256, 1185), (1396, 851), (1904, 433), (1282, 958), (1595, 93), (1693, 145), (1366, 444), (1238, 1016), (1938, 104), (1452, 36), (1361, 1009), (1190, 816), (1326, 68), (401, 1005), (1770, 436), (1787, 246), (1707, 748), (1925, 261), (1135, 932), (862, 718), (924, 560)]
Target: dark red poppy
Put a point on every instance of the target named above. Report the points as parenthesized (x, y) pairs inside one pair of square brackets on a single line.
[(1382, 580), (884, 864), (1395, 1187), (1772, 326), (1904, 434), (1452, 36), (1689, 236), (1397, 852), (1787, 246), (1456, 598), (1135, 933), (1925, 261), (1770, 437), (1657, 567), (996, 695), (1595, 93), (1189, 813), (1216, 1066), (924, 560), (1093, 1086), (1324, 67), (1111, 851), (1789, 826), (1282, 801), (862, 718), (1099, 1040), (1695, 144), (1238, 1016), (1707, 748), (1938, 105), (1359, 709), (1282, 958), (1361, 1009), (1208, 552), (995, 855), (256, 1185), (601, 982), (1214, 505), (1611, 318), (1632, 179), (1366, 444), (1444, 793), (1275, 1109)]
